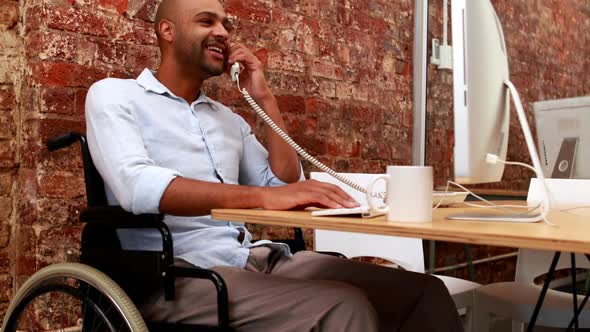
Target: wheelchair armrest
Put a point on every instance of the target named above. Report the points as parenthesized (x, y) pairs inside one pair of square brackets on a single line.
[(218, 282), (117, 218), (63, 140)]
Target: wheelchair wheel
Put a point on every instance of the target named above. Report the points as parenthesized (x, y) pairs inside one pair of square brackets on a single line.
[(72, 297)]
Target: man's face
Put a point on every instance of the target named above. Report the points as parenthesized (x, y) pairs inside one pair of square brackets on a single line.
[(201, 41)]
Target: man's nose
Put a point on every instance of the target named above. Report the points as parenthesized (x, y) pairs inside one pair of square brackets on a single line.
[(220, 31)]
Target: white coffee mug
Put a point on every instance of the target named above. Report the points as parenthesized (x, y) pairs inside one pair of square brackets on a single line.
[(409, 193)]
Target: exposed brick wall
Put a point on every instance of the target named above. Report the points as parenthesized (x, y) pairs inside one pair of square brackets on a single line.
[(10, 73), (341, 70)]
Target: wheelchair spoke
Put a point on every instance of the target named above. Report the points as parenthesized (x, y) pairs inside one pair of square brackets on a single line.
[(89, 317), (96, 323)]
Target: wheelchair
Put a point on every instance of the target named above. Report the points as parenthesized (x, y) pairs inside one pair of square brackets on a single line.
[(98, 294)]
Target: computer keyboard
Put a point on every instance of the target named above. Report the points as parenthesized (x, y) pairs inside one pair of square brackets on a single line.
[(447, 198), (339, 212)]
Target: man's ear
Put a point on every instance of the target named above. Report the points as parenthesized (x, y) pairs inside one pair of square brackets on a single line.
[(167, 30)]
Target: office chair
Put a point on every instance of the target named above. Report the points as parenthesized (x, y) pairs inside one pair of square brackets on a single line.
[(516, 299)]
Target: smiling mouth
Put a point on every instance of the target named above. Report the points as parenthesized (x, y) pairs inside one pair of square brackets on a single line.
[(216, 50)]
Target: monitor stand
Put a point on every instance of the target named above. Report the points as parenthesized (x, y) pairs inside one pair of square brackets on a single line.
[(524, 217), (564, 164), (497, 216)]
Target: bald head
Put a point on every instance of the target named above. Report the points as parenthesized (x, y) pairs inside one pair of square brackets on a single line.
[(171, 10)]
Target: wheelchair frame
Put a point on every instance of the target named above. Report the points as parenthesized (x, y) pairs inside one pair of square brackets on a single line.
[(152, 270)]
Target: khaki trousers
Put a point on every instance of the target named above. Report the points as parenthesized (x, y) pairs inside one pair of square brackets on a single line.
[(312, 292)]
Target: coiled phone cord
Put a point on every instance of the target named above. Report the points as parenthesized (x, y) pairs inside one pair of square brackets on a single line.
[(292, 143)]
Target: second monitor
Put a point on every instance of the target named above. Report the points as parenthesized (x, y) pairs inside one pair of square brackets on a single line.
[(563, 132)]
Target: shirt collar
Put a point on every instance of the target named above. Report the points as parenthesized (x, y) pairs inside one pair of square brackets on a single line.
[(203, 99), (148, 81)]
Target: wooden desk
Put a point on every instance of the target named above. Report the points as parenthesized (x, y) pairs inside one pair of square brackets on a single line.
[(572, 233)]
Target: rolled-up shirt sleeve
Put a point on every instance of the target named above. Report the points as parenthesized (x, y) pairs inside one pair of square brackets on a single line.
[(119, 153), (255, 168)]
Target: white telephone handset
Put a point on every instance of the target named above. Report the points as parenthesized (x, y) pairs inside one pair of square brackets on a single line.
[(235, 76), (234, 72)]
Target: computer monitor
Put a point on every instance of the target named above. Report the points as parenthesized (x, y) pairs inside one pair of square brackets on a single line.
[(481, 98), (563, 137), (482, 93)]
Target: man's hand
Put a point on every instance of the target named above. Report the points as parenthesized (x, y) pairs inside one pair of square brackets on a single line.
[(306, 193), (282, 157), (252, 77)]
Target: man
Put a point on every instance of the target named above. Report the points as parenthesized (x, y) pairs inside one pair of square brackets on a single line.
[(162, 146)]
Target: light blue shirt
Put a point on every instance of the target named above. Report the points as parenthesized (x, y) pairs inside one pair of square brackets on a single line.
[(141, 136)]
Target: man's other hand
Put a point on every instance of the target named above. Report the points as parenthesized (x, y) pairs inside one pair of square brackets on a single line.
[(306, 193)]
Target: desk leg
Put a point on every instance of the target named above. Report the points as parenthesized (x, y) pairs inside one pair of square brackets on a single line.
[(431, 256), (469, 261), (531, 325), (574, 290), (579, 309)]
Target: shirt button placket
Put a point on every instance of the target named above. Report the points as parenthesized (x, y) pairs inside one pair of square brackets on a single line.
[(199, 128)]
